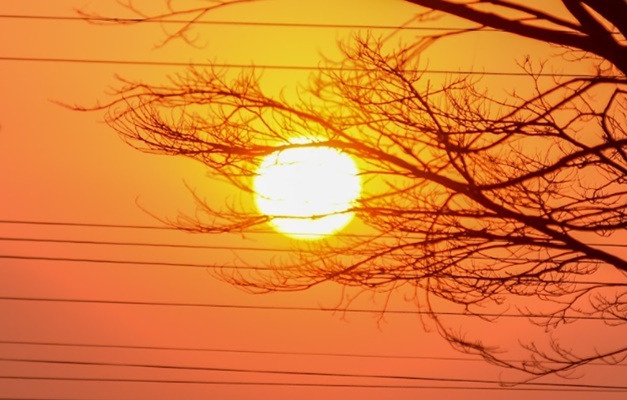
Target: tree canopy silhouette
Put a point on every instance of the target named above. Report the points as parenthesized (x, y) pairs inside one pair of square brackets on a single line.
[(474, 198)]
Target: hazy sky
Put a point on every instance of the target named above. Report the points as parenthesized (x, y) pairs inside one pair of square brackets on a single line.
[(62, 166)]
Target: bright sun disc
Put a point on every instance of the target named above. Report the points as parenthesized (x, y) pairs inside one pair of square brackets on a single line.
[(308, 184)]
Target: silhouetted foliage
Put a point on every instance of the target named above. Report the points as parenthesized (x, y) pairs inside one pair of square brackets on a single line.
[(474, 198)]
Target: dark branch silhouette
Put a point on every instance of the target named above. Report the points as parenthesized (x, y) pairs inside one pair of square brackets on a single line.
[(475, 199), (583, 32)]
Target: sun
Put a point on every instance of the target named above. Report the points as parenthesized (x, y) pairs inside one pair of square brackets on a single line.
[(307, 190)]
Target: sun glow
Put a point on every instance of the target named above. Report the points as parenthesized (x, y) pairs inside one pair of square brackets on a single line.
[(307, 190)]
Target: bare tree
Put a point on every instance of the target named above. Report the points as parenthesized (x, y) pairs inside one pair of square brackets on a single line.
[(476, 199), (596, 27)]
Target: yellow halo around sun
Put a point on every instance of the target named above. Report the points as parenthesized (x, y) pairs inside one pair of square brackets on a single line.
[(307, 190)]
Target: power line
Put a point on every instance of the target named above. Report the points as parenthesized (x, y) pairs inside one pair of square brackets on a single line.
[(51, 398), (248, 351), (303, 384), (47, 398), (213, 247), (117, 20), (202, 247), (299, 308), (129, 262), (239, 231), (271, 352), (310, 373), (278, 67), (94, 225), (148, 20), (519, 279), (149, 244)]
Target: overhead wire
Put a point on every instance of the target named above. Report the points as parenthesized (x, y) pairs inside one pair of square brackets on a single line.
[(130, 262), (53, 398), (249, 23), (222, 266), (280, 67), (238, 231), (309, 373), (248, 351), (276, 24), (266, 352), (233, 248), (122, 20), (147, 244), (303, 384), (50, 398), (302, 308)]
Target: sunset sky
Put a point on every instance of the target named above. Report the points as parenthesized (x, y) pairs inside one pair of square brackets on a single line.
[(66, 176)]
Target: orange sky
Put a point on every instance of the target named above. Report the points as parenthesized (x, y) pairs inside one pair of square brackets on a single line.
[(59, 165)]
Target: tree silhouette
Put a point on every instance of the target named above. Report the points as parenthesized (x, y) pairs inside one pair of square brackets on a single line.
[(475, 199), (597, 27)]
